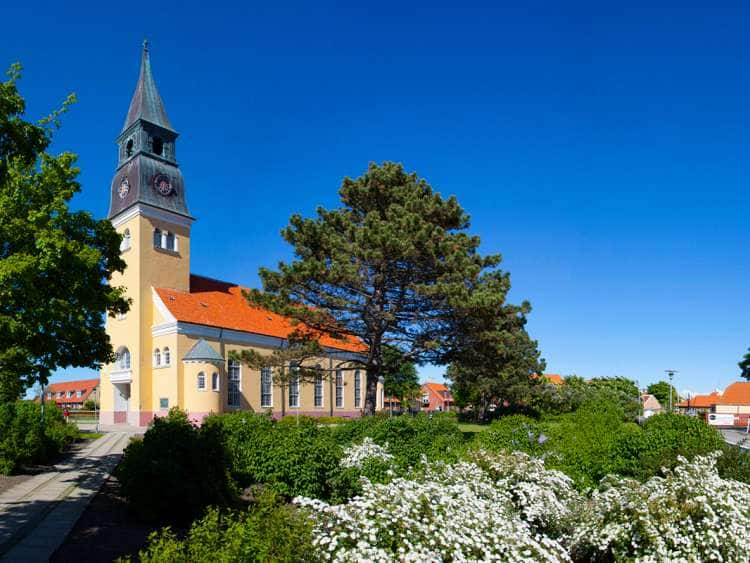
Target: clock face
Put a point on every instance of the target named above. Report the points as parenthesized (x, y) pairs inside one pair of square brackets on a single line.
[(162, 184), (124, 188)]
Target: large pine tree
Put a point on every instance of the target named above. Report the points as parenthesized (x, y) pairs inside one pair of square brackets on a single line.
[(393, 266)]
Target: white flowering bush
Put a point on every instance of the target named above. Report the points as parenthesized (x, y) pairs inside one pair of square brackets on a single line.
[(545, 498), (446, 513), (357, 455), (690, 514)]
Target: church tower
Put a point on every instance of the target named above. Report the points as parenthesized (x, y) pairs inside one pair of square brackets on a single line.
[(148, 208)]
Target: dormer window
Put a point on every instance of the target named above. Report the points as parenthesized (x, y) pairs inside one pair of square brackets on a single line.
[(157, 146)]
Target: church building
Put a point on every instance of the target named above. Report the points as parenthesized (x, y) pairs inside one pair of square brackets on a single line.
[(173, 345)]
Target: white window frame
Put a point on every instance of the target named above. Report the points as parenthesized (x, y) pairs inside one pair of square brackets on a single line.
[(357, 389), (294, 383), (79, 393), (166, 356), (157, 358), (266, 379), (318, 387), (339, 389), (215, 381), (201, 377), (123, 358), (230, 365), (125, 242)]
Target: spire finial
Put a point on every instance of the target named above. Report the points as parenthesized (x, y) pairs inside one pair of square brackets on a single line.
[(145, 45)]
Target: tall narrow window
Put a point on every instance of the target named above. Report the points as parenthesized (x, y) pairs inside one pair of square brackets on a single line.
[(318, 390), (339, 389), (165, 357), (214, 381), (157, 145), (157, 238), (233, 383), (357, 390), (170, 240), (123, 358), (157, 358), (266, 388), (294, 386), (201, 381), (129, 148)]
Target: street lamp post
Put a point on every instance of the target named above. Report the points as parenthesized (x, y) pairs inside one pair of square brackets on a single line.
[(670, 373)]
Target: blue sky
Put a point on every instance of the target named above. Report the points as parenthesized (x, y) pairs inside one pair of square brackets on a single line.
[(603, 150)]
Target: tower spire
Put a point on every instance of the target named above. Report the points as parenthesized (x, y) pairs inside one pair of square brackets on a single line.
[(146, 103)]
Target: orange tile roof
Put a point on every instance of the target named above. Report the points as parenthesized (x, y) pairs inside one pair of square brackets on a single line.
[(437, 387), (85, 385), (222, 305), (701, 401), (554, 378), (737, 393)]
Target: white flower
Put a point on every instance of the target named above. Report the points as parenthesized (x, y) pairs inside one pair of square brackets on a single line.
[(355, 455)]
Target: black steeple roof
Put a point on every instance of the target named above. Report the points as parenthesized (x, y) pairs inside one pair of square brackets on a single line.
[(146, 103)]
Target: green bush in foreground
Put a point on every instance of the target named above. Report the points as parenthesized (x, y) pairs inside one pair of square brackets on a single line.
[(26, 439), (268, 531), (176, 470)]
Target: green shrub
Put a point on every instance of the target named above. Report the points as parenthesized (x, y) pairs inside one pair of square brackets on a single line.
[(293, 459), (267, 531), (27, 439), (666, 436), (332, 420), (734, 463), (514, 433), (175, 470)]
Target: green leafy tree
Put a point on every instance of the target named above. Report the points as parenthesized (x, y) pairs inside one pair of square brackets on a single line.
[(400, 376), (393, 266), (54, 263), (745, 366), (661, 390)]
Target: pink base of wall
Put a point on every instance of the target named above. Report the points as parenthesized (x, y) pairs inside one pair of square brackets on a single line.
[(144, 418)]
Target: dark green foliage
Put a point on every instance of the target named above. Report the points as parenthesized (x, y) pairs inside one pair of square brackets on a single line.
[(409, 438), (513, 433), (54, 263), (394, 266), (744, 366), (293, 459), (575, 392), (27, 439), (89, 405), (734, 463), (399, 375), (176, 470), (666, 436), (268, 531)]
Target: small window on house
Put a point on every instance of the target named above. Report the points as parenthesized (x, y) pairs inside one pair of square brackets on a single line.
[(339, 389), (266, 388), (158, 146), (157, 358), (49, 395), (163, 403), (201, 381), (214, 381), (294, 386), (318, 390), (125, 242), (357, 390), (79, 394), (123, 358), (129, 148), (165, 356), (157, 238)]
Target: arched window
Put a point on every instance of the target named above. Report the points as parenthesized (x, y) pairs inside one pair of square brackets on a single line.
[(165, 356), (201, 381), (157, 238), (123, 358), (214, 381), (125, 243), (129, 148), (294, 386), (157, 358), (357, 390)]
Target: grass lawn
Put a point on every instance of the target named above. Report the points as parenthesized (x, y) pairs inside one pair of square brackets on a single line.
[(467, 428), (88, 435)]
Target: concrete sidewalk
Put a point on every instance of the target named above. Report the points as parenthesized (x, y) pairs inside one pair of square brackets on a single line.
[(37, 515)]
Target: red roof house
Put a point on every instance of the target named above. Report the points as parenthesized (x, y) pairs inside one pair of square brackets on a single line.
[(699, 403), (436, 397), (72, 394)]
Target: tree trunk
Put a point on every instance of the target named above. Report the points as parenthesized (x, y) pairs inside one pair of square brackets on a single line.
[(371, 391)]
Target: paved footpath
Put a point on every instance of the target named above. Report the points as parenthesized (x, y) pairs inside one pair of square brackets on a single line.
[(736, 437), (37, 515)]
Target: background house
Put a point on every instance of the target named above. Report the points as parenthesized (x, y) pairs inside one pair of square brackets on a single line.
[(436, 397), (735, 401), (651, 405), (700, 404), (72, 394)]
